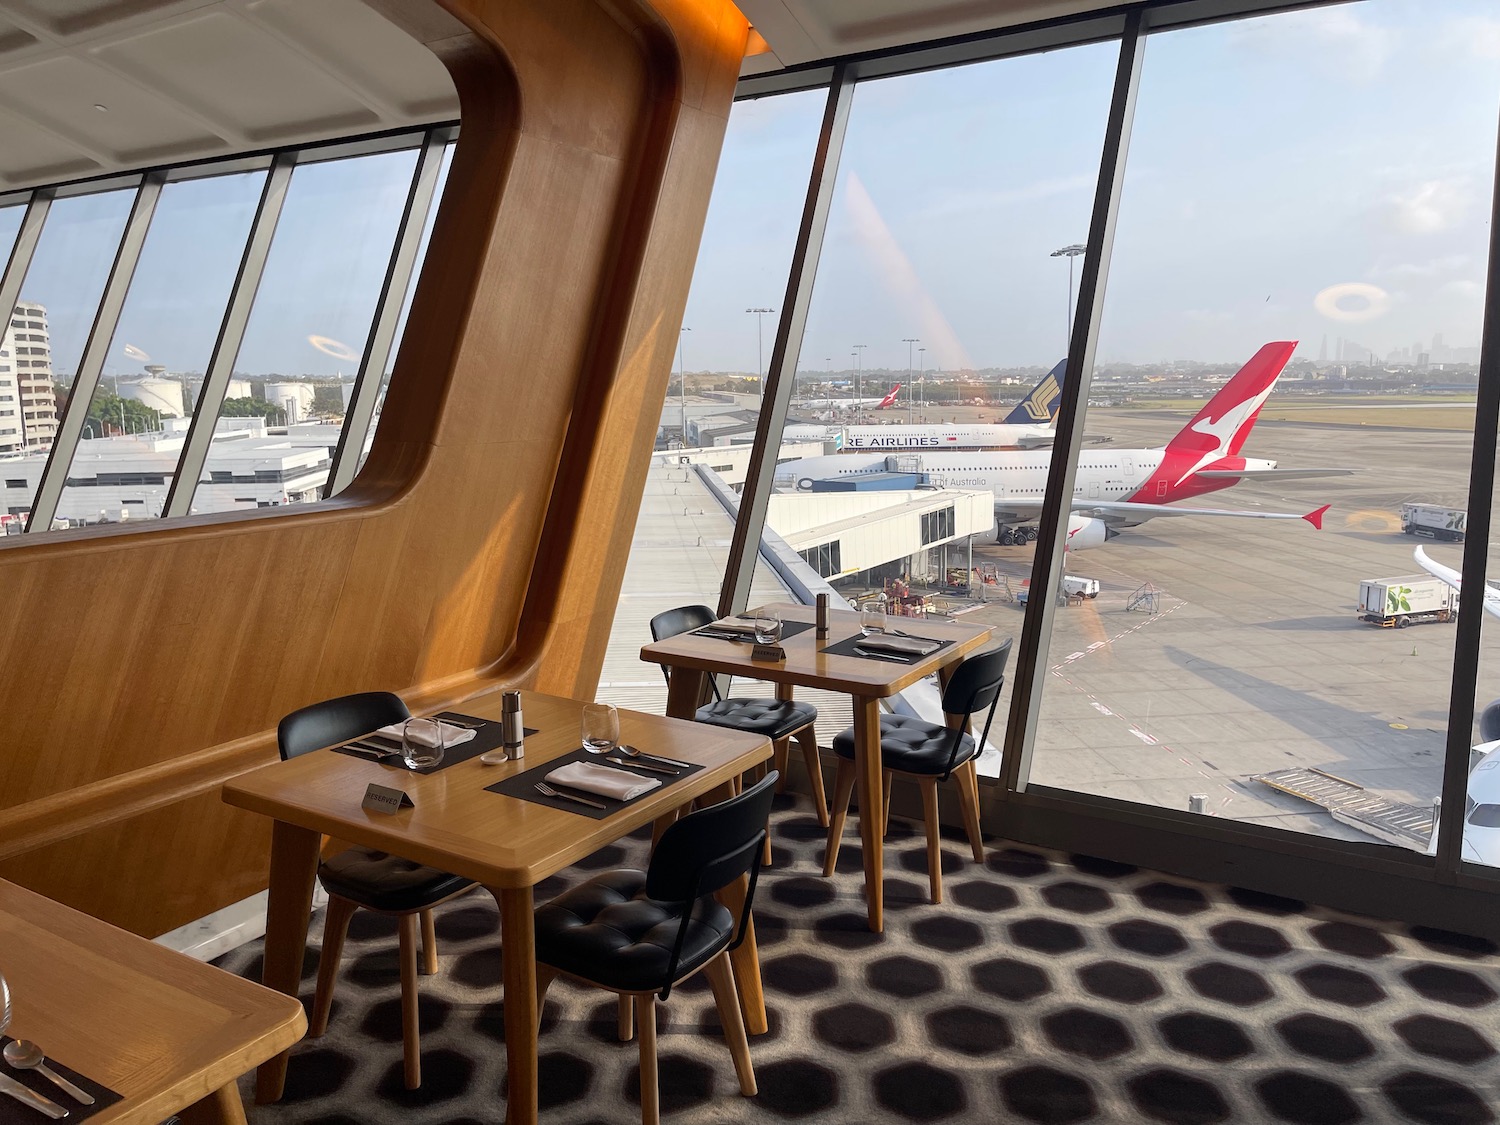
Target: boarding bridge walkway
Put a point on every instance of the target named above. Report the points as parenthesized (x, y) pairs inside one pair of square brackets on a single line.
[(1391, 822)]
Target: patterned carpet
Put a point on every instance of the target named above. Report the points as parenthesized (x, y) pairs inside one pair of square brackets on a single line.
[(1047, 988)]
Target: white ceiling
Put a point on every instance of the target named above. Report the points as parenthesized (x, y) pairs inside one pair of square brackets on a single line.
[(186, 79), (803, 31)]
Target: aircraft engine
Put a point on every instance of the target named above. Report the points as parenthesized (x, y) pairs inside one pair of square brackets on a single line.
[(1086, 531)]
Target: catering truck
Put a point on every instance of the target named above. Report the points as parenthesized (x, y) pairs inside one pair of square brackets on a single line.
[(1397, 602), (1434, 521)]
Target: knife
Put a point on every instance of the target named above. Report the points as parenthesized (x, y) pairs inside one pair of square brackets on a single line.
[(881, 656), (642, 766), (25, 1096)]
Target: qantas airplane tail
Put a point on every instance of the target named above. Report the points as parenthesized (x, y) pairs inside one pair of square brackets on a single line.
[(890, 399), (1039, 407), (1216, 433)]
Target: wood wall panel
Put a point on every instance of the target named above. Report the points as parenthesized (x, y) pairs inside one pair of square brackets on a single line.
[(485, 542)]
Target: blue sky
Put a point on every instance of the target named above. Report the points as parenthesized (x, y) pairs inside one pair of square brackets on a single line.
[(1271, 160)]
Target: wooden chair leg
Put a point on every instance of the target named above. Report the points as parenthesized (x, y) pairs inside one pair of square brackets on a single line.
[(885, 813), (928, 786), (222, 1107), (429, 944), (721, 978), (627, 1019), (807, 738), (545, 975), (843, 786), (335, 927), (780, 755), (645, 1018), (967, 777), (411, 1041)]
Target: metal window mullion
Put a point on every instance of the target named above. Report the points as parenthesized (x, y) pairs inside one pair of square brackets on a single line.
[(101, 335), (1466, 654), (200, 434), (17, 265), (1036, 629), (744, 547), (388, 313)]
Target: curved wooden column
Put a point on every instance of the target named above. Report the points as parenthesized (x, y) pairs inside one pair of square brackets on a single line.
[(485, 541)]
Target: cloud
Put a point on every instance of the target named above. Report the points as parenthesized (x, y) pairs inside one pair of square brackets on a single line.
[(1479, 34), (1430, 207), (979, 201), (1462, 290), (1418, 271), (1337, 36)]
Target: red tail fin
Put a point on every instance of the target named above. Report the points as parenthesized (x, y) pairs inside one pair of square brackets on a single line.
[(1218, 430), (890, 399), (1316, 518)]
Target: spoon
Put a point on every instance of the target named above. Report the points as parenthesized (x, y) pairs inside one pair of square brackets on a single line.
[(633, 752), (23, 1054)]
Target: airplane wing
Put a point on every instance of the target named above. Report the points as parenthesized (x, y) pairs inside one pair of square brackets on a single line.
[(1271, 474), (1036, 441), (1455, 579), (1123, 513)]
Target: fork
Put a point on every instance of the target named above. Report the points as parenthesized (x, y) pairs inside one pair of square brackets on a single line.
[(547, 791)]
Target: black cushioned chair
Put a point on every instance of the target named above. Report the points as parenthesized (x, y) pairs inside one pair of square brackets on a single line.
[(639, 933), (780, 720), (929, 753), (364, 877)]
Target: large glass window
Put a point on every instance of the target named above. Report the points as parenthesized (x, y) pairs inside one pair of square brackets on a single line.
[(687, 514), (138, 416), (59, 296), (306, 332), (938, 305), (1306, 197)]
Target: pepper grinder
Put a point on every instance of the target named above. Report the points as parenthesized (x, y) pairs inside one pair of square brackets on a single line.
[(822, 632), (512, 731)]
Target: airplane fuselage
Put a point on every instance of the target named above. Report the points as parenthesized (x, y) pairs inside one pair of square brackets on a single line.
[(926, 438)]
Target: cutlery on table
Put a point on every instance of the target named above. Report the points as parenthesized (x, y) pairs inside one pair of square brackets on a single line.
[(547, 791), (9, 1085), (880, 656), (368, 750), (23, 1054), (632, 752), (640, 765), (464, 725)]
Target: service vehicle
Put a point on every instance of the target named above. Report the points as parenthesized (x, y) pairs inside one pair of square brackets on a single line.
[(1397, 602), (1434, 521)]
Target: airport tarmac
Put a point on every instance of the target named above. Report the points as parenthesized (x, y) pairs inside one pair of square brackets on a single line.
[(1255, 661)]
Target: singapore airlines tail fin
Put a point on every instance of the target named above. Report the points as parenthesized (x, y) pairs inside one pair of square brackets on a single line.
[(890, 399), (1040, 406)]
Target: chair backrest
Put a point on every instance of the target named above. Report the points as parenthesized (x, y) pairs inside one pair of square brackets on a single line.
[(974, 686), (337, 720), (706, 851), (683, 619)]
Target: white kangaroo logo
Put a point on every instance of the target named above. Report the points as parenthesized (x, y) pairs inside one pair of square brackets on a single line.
[(1222, 430)]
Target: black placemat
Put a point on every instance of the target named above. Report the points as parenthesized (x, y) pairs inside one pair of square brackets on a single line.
[(13, 1112), (523, 785), (846, 648), (788, 629), (487, 736)]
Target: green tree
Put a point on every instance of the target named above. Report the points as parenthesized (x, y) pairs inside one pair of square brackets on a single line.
[(251, 408), (111, 414)]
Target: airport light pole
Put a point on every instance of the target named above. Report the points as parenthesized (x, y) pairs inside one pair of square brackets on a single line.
[(760, 357), (859, 383), (922, 352), (682, 387), (909, 341), (1069, 252)]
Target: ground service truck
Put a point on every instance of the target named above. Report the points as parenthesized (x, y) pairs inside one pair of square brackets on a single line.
[(1397, 602), (1434, 521)]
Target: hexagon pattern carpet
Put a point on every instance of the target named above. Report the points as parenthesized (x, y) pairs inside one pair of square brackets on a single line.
[(1047, 988)]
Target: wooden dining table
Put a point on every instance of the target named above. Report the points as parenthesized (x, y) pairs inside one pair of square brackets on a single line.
[(168, 1033), (506, 844), (691, 658)]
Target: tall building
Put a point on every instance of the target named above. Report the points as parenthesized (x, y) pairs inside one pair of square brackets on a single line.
[(28, 397)]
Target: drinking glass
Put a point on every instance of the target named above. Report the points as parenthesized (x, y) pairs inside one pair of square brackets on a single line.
[(421, 743), (872, 617), (767, 624), (601, 728)]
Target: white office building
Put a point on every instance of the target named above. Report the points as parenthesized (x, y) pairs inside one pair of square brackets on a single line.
[(28, 403)]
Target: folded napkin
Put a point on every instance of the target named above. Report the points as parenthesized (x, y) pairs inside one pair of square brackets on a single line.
[(732, 625), (622, 785), (452, 735), (906, 646)]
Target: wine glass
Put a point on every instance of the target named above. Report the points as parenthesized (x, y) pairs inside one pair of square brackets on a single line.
[(767, 625), (421, 743), (601, 728), (872, 617)]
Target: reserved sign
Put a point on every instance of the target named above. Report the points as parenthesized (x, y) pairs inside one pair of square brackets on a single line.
[(771, 653), (383, 799)]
